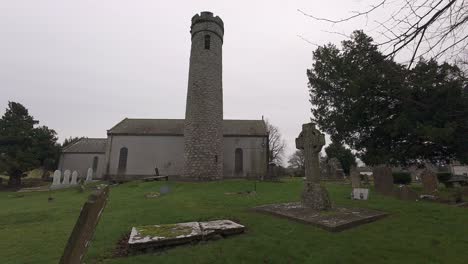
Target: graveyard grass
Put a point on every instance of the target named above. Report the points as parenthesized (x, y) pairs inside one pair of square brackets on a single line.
[(34, 230)]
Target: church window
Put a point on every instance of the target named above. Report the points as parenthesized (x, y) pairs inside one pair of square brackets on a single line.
[(123, 160), (95, 163), (238, 161), (207, 42)]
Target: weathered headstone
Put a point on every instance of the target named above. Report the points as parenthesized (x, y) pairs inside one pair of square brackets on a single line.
[(383, 180), (429, 181), (404, 192), (311, 141), (66, 177), (336, 170), (360, 194), (57, 176), (89, 175), (355, 178), (74, 178), (83, 231)]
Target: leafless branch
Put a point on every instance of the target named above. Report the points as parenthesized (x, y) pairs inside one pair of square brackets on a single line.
[(438, 28)]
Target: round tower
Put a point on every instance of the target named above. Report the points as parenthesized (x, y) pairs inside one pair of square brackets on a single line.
[(203, 133)]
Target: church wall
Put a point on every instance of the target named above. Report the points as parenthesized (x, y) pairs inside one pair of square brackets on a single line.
[(146, 153), (254, 156), (81, 162), (167, 154)]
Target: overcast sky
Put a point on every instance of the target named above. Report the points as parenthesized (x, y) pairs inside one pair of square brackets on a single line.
[(82, 66)]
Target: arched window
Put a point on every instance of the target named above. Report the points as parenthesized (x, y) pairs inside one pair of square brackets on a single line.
[(123, 160), (95, 164), (238, 161), (207, 42)]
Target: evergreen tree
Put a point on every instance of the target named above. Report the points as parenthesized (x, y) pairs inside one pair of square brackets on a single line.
[(23, 147), (386, 112), (344, 155)]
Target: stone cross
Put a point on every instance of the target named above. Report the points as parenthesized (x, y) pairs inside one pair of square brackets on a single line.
[(311, 141), (57, 176), (66, 177), (74, 178), (89, 175)]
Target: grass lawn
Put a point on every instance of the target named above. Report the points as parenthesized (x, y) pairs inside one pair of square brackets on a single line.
[(33, 230)]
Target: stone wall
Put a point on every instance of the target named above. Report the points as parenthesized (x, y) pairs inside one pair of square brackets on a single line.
[(254, 157), (203, 151), (81, 162), (146, 153), (167, 152)]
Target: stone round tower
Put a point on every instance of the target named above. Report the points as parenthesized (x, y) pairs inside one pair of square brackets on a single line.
[(203, 132)]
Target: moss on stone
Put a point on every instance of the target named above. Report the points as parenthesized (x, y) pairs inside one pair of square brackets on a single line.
[(171, 230)]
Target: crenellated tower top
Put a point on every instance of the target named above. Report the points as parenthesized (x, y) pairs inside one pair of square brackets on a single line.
[(206, 21)]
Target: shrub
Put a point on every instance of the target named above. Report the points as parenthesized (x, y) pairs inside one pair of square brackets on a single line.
[(401, 178), (444, 177), (458, 195)]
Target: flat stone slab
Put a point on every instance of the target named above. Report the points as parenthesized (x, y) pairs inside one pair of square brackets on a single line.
[(155, 236), (334, 220)]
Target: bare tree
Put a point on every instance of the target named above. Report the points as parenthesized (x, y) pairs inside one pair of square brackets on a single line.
[(276, 144), (296, 160), (430, 28)]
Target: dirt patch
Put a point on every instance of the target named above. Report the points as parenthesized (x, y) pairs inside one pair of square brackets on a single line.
[(121, 249)]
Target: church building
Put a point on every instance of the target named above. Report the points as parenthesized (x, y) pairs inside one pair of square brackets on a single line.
[(204, 146)]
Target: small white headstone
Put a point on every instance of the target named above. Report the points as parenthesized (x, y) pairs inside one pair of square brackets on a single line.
[(57, 176), (66, 177), (74, 178), (89, 175), (360, 194)]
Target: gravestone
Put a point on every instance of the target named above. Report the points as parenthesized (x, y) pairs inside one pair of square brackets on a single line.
[(74, 178), (83, 231), (360, 194), (57, 176), (89, 175), (429, 181), (404, 192), (66, 177), (383, 180), (335, 169), (331, 169), (355, 178), (311, 141)]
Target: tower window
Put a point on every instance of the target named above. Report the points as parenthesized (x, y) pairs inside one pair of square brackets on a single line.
[(207, 42)]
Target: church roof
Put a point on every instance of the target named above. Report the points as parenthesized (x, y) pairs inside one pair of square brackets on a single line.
[(87, 145), (175, 127)]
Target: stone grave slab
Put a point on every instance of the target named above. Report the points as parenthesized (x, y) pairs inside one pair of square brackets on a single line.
[(147, 237), (333, 220)]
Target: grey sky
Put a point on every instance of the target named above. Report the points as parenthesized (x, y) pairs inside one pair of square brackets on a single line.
[(82, 66)]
